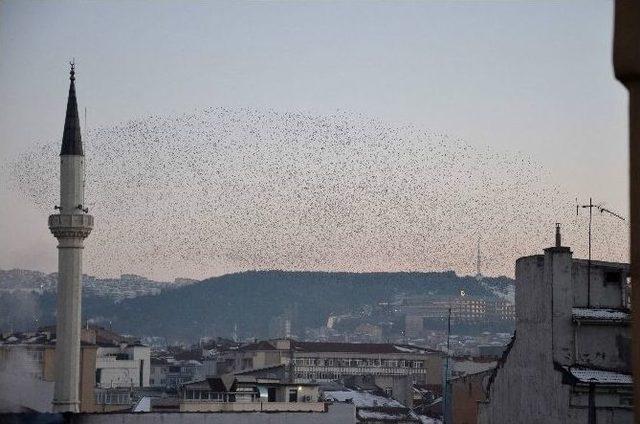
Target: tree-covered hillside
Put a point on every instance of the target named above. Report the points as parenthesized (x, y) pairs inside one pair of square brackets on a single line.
[(252, 299)]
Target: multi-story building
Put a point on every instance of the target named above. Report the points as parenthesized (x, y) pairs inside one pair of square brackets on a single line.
[(248, 393), (109, 363), (170, 373), (466, 391), (320, 361), (393, 367), (569, 361), (127, 365), (419, 310)]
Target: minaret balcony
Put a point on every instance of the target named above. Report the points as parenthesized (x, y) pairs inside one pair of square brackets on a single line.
[(70, 225)]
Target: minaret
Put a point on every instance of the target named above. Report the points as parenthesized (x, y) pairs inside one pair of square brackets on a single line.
[(71, 226)]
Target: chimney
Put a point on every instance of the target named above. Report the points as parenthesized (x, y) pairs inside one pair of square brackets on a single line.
[(558, 236)]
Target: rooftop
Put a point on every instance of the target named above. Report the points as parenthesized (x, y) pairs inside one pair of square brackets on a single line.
[(593, 375), (360, 399), (600, 315), (380, 348)]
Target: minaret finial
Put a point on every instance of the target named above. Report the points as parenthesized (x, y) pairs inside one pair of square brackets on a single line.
[(73, 69)]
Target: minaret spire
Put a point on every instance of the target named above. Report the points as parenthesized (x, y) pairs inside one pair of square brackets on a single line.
[(71, 138)]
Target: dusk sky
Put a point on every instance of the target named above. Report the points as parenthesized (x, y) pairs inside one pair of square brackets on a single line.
[(529, 82)]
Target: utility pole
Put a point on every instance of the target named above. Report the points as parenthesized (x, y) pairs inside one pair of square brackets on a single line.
[(602, 210), (446, 395)]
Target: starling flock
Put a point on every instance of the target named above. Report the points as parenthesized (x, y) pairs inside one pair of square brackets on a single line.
[(223, 190)]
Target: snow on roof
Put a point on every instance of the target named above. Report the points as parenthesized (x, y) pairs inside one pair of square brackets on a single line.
[(143, 405), (600, 314), (395, 416), (428, 420), (408, 349), (591, 375), (361, 399)]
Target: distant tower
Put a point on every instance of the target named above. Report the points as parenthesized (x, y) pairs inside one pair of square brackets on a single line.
[(71, 226), (478, 263), (287, 328)]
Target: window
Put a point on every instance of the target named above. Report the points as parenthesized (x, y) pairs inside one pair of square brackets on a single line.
[(626, 400), (612, 277), (293, 395)]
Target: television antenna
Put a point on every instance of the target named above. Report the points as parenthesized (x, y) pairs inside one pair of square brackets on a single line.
[(602, 210)]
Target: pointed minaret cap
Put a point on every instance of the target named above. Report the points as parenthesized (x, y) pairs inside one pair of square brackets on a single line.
[(71, 138)]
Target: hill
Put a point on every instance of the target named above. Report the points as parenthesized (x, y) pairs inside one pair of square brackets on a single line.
[(251, 300)]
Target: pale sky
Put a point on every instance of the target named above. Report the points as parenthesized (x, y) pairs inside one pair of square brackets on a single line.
[(534, 79)]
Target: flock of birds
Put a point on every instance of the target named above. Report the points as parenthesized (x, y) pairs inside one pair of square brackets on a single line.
[(223, 190)]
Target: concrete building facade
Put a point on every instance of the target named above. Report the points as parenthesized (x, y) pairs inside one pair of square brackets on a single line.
[(569, 361), (466, 391), (392, 367), (322, 362), (421, 312), (122, 366), (170, 374), (248, 393), (109, 368)]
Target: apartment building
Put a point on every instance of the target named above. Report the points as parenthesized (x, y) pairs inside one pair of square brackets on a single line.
[(170, 373), (572, 339), (324, 361), (110, 365), (248, 393), (421, 310)]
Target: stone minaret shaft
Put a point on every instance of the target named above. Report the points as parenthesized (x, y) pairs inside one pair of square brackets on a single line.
[(71, 226)]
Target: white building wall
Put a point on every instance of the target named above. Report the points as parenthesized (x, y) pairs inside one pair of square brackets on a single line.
[(131, 372)]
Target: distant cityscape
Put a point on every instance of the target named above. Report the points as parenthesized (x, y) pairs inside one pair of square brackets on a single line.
[(356, 363), (127, 286), (554, 344)]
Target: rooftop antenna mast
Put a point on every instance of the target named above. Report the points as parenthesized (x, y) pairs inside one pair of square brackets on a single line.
[(602, 210)]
